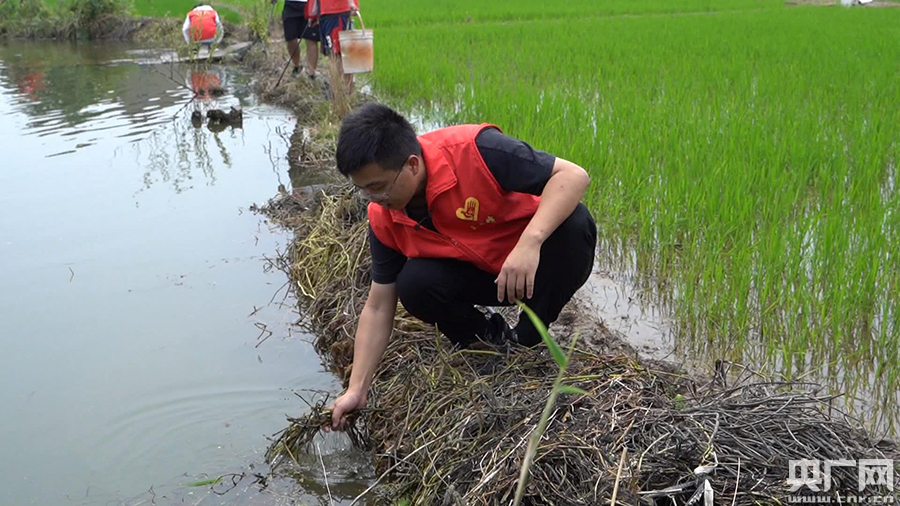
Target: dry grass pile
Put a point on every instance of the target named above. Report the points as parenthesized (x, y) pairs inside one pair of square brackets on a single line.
[(451, 427)]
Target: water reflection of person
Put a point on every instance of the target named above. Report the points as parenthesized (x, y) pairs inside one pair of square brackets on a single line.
[(205, 84), (31, 84)]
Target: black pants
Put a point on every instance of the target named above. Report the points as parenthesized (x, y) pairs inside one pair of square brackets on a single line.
[(444, 291)]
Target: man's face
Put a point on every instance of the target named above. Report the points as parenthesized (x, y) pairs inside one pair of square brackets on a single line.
[(390, 188)]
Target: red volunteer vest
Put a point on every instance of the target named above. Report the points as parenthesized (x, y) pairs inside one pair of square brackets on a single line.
[(203, 24), (477, 221), (316, 8)]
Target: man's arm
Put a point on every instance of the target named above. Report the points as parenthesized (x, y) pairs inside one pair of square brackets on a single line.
[(220, 30), (561, 195), (186, 28), (372, 335)]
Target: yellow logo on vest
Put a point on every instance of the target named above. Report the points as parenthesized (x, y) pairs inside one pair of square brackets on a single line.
[(469, 212)]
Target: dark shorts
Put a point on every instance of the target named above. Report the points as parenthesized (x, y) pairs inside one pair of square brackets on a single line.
[(329, 26), (295, 24)]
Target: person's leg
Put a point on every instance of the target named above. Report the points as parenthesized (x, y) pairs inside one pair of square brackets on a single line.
[(443, 292), (294, 50), (348, 78), (293, 27), (326, 26), (567, 257), (312, 57), (330, 26)]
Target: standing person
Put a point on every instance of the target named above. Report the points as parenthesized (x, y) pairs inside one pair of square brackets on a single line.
[(297, 27), (460, 216), (332, 16), (202, 25)]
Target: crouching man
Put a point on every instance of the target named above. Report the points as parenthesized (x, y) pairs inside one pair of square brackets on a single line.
[(202, 26), (459, 217)]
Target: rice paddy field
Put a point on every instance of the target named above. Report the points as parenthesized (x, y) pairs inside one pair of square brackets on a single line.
[(384, 13), (743, 156)]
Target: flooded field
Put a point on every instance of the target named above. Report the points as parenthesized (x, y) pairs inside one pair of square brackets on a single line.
[(743, 162)]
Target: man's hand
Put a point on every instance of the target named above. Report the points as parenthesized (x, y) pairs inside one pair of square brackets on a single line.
[(343, 405), (353, 9), (516, 279)]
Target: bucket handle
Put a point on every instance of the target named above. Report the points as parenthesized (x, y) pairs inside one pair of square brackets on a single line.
[(359, 15)]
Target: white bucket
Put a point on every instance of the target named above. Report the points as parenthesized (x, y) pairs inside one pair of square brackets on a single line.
[(356, 49)]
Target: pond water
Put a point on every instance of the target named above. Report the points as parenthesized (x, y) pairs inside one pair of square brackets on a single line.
[(145, 344)]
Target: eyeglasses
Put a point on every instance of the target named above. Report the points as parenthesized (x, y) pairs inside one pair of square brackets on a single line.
[(378, 198)]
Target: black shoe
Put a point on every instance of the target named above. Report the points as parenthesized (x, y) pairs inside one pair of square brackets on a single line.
[(498, 331), (295, 72)]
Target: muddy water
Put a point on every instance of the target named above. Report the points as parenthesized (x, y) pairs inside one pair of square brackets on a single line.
[(641, 315), (142, 348)]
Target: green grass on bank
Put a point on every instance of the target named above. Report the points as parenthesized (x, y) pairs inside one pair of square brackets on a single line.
[(229, 11), (66, 19)]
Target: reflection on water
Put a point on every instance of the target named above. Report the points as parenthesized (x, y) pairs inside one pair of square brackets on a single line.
[(134, 287), (182, 153), (73, 92)]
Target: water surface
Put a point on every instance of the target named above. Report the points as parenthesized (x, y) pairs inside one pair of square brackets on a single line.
[(142, 346)]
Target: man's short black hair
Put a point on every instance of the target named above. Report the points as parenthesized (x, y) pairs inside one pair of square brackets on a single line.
[(375, 133)]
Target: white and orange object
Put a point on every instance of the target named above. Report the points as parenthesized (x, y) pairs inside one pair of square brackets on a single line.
[(202, 25)]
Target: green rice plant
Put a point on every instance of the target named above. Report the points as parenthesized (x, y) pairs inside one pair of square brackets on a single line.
[(562, 360), (400, 13)]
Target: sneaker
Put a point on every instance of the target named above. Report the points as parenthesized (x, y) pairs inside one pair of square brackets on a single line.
[(295, 72), (499, 332), (312, 77)]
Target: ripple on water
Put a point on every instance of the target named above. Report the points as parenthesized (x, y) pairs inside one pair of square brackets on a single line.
[(141, 431)]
